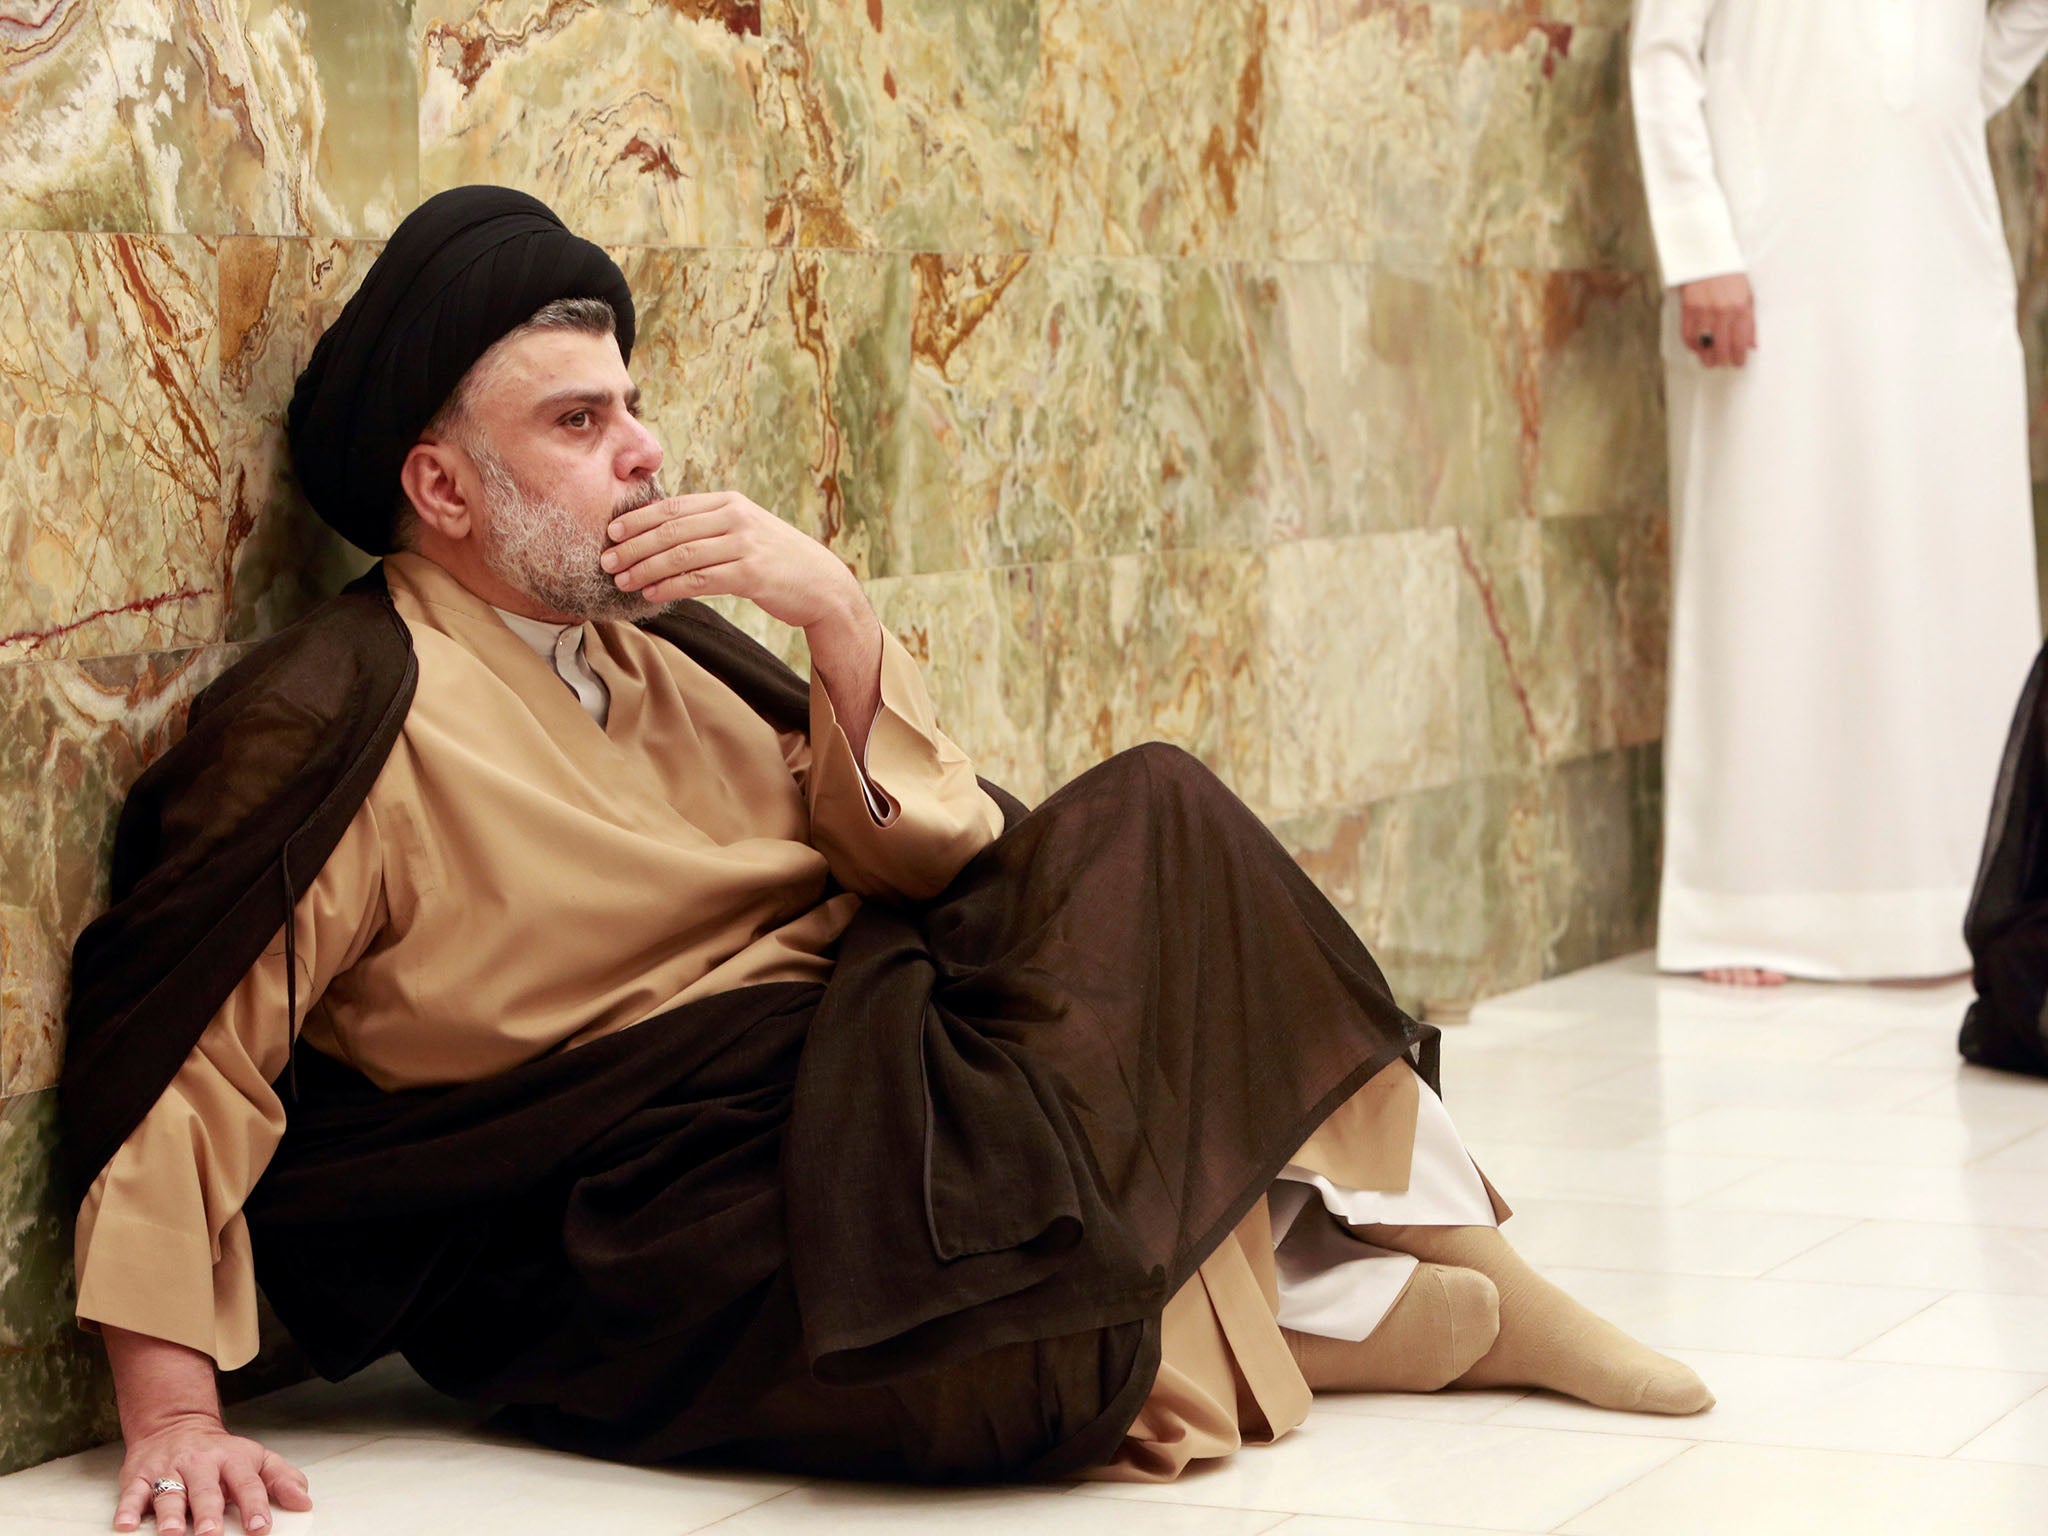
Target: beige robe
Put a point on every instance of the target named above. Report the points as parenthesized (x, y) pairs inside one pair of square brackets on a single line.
[(498, 896), (490, 902)]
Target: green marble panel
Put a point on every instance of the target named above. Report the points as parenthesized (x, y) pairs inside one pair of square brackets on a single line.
[(2019, 158), (110, 523), (1151, 127), (2041, 540), (976, 635), (1548, 171), (1072, 407), (1444, 885), (1601, 841), (276, 297), (36, 1289), (1562, 628), (782, 376), (1363, 152), (901, 124), (55, 1393), (73, 737), (54, 1399), (1155, 648), (1386, 402), (1591, 386), (638, 121), (167, 116), (1362, 667)]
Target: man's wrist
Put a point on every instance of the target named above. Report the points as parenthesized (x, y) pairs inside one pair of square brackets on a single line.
[(159, 1384), (848, 614), (153, 1420)]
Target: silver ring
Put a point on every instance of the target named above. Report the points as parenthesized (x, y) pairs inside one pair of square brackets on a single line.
[(163, 1485)]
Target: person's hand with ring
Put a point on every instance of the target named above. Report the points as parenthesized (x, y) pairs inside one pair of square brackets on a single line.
[(182, 1466), (186, 1473), (1717, 319)]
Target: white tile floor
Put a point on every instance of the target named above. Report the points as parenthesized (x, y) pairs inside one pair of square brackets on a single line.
[(1802, 1193)]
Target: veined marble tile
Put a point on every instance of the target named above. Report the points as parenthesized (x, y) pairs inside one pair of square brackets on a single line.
[(35, 1227), (1591, 387), (328, 123), (76, 735), (1062, 408), (55, 1392), (54, 1399), (1154, 648), (782, 376), (1151, 127), (1443, 885), (1414, 133), (1310, 351), (1599, 13), (92, 135), (1550, 177), (109, 444), (276, 298), (1200, 452), (208, 116), (1602, 842), (1363, 667), (2017, 138), (1563, 626), (1387, 402), (2019, 160), (901, 124), (976, 635), (1363, 149), (637, 121)]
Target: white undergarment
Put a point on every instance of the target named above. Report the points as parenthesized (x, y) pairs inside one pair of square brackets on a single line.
[(1336, 1286)]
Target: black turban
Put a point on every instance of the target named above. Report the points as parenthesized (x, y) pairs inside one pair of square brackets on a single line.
[(467, 266)]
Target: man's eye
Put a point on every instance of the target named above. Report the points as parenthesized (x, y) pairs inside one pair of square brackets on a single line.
[(577, 420)]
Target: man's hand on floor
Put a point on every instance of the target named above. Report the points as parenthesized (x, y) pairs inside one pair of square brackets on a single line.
[(217, 1469), (170, 1417)]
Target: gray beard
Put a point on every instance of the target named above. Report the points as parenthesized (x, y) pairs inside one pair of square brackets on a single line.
[(540, 548)]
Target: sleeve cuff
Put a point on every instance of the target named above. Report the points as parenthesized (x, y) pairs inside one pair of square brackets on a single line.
[(1696, 240), (165, 1283), (899, 746)]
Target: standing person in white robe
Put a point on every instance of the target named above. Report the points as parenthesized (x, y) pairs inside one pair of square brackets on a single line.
[(1854, 603)]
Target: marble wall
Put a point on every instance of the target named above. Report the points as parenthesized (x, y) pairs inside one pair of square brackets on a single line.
[(2019, 154), (1272, 376)]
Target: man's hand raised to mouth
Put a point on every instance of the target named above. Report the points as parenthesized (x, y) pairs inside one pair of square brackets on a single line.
[(720, 544)]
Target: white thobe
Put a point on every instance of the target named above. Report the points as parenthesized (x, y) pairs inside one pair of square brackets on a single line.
[(1854, 603)]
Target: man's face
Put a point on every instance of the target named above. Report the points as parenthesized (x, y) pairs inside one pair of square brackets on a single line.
[(560, 451)]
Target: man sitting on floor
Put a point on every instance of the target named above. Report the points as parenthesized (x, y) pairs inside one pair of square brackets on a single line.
[(517, 968)]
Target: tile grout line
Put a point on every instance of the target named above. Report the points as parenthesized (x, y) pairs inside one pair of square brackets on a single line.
[(1685, 1448), (1901, 1323), (691, 1530)]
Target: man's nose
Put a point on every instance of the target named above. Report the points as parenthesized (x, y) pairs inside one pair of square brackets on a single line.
[(641, 457)]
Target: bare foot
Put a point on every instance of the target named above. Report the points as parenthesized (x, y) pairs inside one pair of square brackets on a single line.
[(1743, 976)]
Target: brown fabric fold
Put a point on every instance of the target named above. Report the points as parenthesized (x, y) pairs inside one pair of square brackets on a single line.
[(933, 1213)]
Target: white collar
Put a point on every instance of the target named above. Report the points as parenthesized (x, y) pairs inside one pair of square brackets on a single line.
[(544, 639)]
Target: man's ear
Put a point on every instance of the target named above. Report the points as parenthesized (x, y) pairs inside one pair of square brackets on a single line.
[(435, 482)]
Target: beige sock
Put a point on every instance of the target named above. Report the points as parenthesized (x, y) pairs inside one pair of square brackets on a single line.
[(1547, 1339), (1437, 1328)]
